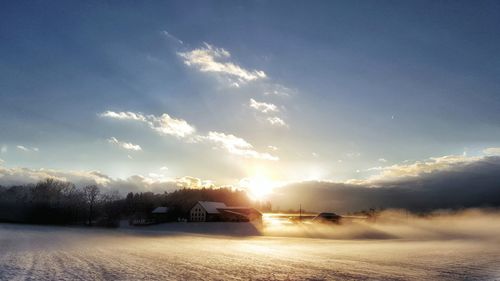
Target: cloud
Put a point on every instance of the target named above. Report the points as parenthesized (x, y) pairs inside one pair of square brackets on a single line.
[(278, 90), (172, 37), (276, 121), (16, 176), (492, 151), (192, 182), (135, 183), (266, 108), (215, 60), (22, 148), (163, 124), (167, 125), (418, 168), (125, 145), (237, 146), (27, 149), (1, 161), (382, 160), (124, 115), (272, 147), (262, 106), (440, 183), (3, 149)]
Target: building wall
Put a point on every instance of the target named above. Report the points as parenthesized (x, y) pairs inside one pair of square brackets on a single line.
[(197, 213)]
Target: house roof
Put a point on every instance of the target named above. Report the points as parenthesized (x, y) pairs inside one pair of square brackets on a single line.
[(211, 207), (241, 210), (160, 210)]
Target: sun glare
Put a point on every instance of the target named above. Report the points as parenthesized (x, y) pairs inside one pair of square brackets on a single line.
[(258, 188)]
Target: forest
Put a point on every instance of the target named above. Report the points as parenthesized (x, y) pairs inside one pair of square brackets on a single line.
[(58, 202)]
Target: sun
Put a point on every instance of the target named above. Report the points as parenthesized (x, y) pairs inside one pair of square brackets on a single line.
[(258, 188)]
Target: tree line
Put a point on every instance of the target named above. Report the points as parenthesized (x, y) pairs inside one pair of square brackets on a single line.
[(53, 201)]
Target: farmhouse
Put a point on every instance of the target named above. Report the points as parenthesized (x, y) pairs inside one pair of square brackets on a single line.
[(160, 214), (205, 211)]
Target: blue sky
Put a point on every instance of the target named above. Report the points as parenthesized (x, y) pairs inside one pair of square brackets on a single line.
[(281, 90)]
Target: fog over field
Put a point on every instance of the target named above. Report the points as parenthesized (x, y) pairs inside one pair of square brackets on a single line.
[(460, 246)]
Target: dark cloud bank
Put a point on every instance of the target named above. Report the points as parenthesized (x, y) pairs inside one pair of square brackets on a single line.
[(465, 185)]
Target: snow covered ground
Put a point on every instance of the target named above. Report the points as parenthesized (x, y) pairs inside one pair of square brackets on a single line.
[(65, 253)]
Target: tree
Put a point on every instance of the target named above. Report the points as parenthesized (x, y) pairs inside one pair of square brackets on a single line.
[(91, 193)]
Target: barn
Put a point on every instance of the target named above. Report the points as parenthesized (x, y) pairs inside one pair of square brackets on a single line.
[(206, 211)]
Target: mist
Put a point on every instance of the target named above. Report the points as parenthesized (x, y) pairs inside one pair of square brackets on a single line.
[(396, 246), (468, 224)]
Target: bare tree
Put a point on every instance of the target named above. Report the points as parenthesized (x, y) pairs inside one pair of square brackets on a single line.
[(91, 193)]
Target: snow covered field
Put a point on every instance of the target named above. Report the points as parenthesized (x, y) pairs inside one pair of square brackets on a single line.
[(64, 253)]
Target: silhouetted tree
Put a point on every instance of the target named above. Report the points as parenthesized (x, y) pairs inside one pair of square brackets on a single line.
[(91, 193)]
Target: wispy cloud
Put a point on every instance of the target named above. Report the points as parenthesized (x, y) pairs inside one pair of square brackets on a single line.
[(492, 151), (27, 149), (216, 60), (382, 160), (278, 90), (125, 145), (237, 146), (172, 37), (3, 149), (272, 147), (276, 121), (124, 115), (406, 170), (163, 124), (263, 106)]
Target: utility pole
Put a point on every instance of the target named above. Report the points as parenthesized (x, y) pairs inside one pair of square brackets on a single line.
[(300, 212)]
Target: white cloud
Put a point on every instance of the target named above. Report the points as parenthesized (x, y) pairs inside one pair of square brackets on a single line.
[(398, 171), (272, 147), (22, 148), (172, 37), (192, 182), (3, 149), (167, 125), (163, 124), (262, 106), (1, 161), (212, 59), (382, 160), (125, 145), (237, 146), (124, 115), (492, 151), (315, 155), (13, 176), (163, 168), (278, 90), (27, 149), (136, 183), (276, 121)]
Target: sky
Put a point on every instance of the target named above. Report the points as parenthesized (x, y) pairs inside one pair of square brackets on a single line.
[(245, 93)]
